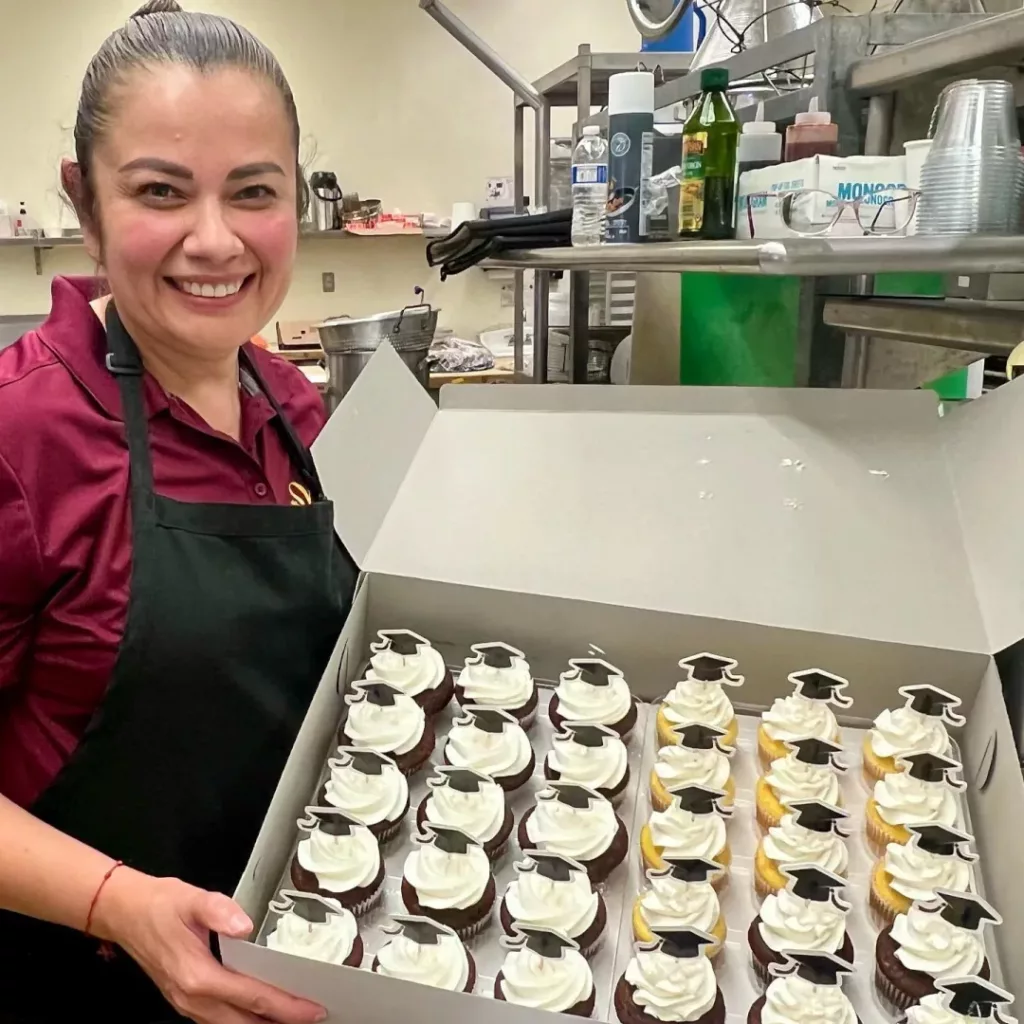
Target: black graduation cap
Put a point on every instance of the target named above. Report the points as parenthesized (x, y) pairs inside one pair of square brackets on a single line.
[(697, 736), (817, 684), (974, 997), (701, 800), (817, 968), (492, 720), (373, 691), (447, 838), (687, 869), (595, 671), (366, 761), (711, 668), (462, 780), (420, 930), (495, 654), (587, 735), (929, 767), (330, 821), (679, 943), (553, 866), (810, 882), (818, 816), (401, 641), (933, 702), (545, 942), (570, 794), (817, 752), (965, 910), (942, 840), (311, 908)]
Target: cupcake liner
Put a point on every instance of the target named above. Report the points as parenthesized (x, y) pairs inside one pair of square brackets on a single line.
[(878, 835), (761, 973), (891, 997), (766, 819), (362, 909), (528, 722), (388, 834), (882, 913), (762, 887), (475, 928), (496, 854)]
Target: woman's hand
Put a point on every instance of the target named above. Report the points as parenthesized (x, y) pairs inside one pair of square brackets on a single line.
[(165, 925)]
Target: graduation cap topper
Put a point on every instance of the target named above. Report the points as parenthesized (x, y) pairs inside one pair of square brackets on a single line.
[(964, 910), (692, 870), (700, 800), (974, 997), (595, 671), (711, 668), (928, 767), (817, 968), (585, 735), (400, 641), (818, 752), (545, 942), (572, 795), (932, 702), (817, 684), (698, 736), (330, 821), (554, 866), (462, 780), (818, 816), (942, 840), (311, 908), (421, 930), (362, 760), (446, 838), (810, 882), (375, 692), (678, 943), (491, 720), (495, 655)]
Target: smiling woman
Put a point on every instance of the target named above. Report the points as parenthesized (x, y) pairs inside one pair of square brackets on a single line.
[(165, 610)]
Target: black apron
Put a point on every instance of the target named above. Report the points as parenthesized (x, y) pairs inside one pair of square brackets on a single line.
[(232, 616)]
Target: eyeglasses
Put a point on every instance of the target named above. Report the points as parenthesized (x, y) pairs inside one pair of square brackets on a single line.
[(812, 211)]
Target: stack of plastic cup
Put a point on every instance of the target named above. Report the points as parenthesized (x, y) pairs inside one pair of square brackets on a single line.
[(972, 181)]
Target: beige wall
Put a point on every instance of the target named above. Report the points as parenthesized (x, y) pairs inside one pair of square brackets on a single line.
[(385, 97)]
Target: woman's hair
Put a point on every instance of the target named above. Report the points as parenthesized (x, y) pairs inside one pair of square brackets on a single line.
[(161, 32)]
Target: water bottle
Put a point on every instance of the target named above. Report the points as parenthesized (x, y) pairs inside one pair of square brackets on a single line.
[(589, 188)]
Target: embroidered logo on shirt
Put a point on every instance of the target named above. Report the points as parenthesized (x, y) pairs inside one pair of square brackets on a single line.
[(300, 495)]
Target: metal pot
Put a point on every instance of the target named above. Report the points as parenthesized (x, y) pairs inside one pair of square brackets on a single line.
[(349, 343)]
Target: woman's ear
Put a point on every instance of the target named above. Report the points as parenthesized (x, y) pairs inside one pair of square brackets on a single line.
[(78, 194)]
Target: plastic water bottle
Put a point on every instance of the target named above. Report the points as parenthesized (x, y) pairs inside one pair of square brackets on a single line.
[(589, 188)]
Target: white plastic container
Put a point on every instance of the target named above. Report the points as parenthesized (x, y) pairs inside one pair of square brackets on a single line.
[(760, 145)]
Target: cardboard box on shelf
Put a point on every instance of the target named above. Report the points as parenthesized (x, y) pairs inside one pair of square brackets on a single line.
[(853, 530)]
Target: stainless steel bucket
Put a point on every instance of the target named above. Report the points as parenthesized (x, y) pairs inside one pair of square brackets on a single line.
[(349, 343)]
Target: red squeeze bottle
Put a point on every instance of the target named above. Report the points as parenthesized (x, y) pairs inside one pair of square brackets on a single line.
[(811, 134)]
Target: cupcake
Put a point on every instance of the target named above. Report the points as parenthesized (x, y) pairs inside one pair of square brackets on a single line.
[(493, 742), (931, 943), (692, 826), (962, 1001), (368, 787), (472, 802), (593, 692), (925, 793), (809, 772), (315, 927), (498, 676), (545, 971), (671, 981), (425, 952), (700, 700), (406, 660), (681, 896), (811, 834), (936, 858), (919, 727), (380, 717), (808, 988), (448, 879), (699, 759), (589, 755), (807, 916), (803, 714), (339, 858), (578, 823), (554, 892)]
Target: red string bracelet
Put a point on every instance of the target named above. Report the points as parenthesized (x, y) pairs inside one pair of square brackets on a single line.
[(92, 906)]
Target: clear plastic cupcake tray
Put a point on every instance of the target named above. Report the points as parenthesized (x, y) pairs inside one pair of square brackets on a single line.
[(739, 902)]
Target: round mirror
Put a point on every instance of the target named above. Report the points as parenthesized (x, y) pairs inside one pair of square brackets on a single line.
[(656, 18)]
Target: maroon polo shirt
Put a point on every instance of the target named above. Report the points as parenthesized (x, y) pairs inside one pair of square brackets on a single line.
[(65, 523)]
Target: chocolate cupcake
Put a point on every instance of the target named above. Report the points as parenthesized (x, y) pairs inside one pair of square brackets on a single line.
[(578, 823), (472, 802), (962, 1001), (368, 787), (315, 927), (807, 987), (407, 660), (426, 952), (338, 859), (933, 942), (675, 978), (498, 676), (545, 971), (491, 741), (593, 692), (448, 879), (552, 891), (589, 755), (807, 916), (380, 717)]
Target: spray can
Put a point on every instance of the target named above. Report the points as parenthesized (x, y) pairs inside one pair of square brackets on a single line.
[(631, 155)]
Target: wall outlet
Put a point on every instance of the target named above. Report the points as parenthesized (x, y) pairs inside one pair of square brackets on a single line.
[(328, 281)]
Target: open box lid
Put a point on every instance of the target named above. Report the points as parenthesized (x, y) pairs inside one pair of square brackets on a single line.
[(857, 513)]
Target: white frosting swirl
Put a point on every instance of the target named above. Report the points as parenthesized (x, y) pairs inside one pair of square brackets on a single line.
[(529, 979), (495, 754), (444, 965), (906, 731), (391, 730), (602, 767), (796, 717), (927, 943), (692, 701), (904, 800), (671, 903), (933, 1010), (672, 989), (792, 780), (682, 834), (368, 798), (580, 701), (479, 814), (791, 922), (790, 843), (448, 881), (330, 941), (916, 873), (490, 687), (580, 833), (341, 863), (793, 1000), (413, 674), (568, 907), (680, 766)]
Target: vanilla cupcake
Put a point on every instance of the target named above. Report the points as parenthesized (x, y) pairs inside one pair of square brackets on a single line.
[(380, 717), (700, 759), (809, 772), (493, 742), (589, 755), (593, 692), (406, 660), (369, 787), (498, 676), (470, 801), (692, 826), (811, 834), (681, 896), (314, 927), (700, 700), (804, 714), (427, 953)]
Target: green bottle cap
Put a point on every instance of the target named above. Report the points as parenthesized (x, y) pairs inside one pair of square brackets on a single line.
[(714, 79)]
